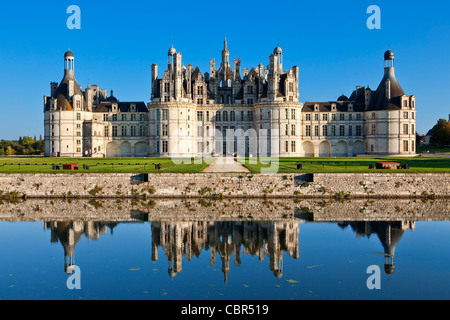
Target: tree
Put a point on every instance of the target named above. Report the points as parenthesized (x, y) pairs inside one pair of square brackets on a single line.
[(441, 133), (9, 151)]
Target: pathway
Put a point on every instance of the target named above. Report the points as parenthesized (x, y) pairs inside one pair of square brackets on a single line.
[(226, 164)]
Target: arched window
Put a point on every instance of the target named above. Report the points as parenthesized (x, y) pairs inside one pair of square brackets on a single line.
[(218, 116), (225, 116), (232, 116)]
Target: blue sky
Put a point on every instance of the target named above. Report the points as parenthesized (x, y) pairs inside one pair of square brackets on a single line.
[(119, 40)]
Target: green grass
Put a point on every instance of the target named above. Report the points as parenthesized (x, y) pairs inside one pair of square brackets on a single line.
[(347, 165), (104, 165), (189, 165)]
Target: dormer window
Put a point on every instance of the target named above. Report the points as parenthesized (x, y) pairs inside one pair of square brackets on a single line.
[(350, 107), (133, 108), (316, 108), (333, 107), (114, 107)]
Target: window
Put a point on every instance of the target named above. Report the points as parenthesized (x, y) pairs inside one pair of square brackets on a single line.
[(342, 131), (333, 116), (325, 117), (342, 116), (405, 129), (78, 134), (286, 113), (158, 130), (333, 131), (358, 116), (207, 115), (165, 130), (413, 144), (114, 131), (316, 117), (225, 116), (78, 116), (293, 129), (218, 116), (142, 117), (165, 146), (405, 145), (165, 114), (412, 129), (200, 90), (166, 87), (250, 101), (358, 130), (124, 131), (293, 114), (308, 131), (250, 115), (200, 131), (316, 131), (324, 131), (250, 89), (142, 131), (133, 117), (105, 117), (106, 131), (293, 146), (291, 87), (78, 142), (200, 101), (287, 146), (199, 115), (286, 131), (374, 129), (374, 116), (199, 147), (412, 115), (350, 117), (133, 131), (157, 146), (158, 114), (350, 131), (405, 115), (308, 117)]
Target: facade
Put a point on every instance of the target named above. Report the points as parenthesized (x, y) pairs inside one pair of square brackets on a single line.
[(228, 111)]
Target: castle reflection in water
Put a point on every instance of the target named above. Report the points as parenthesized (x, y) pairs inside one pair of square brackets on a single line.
[(228, 240)]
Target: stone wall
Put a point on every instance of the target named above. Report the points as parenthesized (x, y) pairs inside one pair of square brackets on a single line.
[(219, 185), (139, 210)]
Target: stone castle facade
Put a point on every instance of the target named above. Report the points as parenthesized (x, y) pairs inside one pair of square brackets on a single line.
[(227, 111)]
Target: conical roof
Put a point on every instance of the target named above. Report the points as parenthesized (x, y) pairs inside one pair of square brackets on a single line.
[(380, 100)]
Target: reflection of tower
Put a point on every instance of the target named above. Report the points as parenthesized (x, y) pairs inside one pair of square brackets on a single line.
[(389, 234), (69, 233)]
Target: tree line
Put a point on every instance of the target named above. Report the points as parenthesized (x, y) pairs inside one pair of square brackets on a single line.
[(441, 134), (23, 146)]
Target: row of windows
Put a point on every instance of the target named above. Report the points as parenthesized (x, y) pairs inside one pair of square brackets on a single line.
[(114, 117), (334, 131), (225, 116), (334, 116), (124, 131)]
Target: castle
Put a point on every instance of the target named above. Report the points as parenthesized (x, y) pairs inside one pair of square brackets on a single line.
[(227, 111)]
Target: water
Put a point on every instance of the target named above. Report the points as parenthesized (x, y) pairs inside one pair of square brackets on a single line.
[(174, 250)]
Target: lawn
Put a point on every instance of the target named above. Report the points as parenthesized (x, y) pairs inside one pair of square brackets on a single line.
[(346, 165), (104, 165), (197, 165)]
